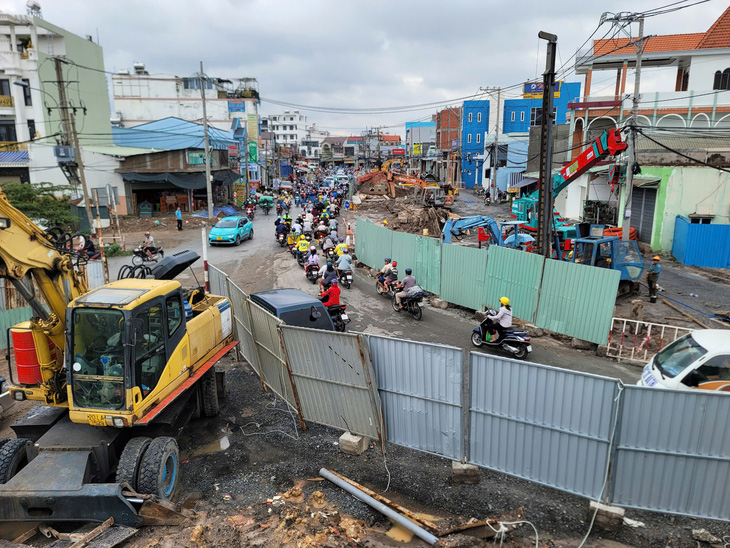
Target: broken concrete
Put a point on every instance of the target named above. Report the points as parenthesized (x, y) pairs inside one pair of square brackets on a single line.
[(464, 473), (438, 303), (534, 331), (580, 344), (610, 518), (352, 444)]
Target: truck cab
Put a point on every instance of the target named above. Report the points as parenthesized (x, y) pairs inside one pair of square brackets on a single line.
[(609, 252), (700, 359)]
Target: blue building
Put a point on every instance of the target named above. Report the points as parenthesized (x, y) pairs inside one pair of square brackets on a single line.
[(474, 127), (520, 114)]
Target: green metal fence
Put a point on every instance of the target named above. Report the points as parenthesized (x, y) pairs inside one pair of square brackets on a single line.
[(463, 275), (517, 275)]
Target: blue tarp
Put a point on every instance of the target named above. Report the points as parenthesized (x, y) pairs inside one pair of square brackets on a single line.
[(228, 211)]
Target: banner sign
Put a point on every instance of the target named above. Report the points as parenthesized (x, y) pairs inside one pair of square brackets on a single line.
[(236, 105), (398, 152), (253, 152), (454, 144), (197, 158), (417, 149), (533, 90)]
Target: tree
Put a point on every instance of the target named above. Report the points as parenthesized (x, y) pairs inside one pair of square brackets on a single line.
[(40, 203)]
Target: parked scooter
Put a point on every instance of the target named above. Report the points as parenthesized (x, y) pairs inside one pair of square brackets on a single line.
[(411, 304), (514, 341)]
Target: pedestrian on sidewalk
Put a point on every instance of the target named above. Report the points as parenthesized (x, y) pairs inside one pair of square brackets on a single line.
[(178, 216), (652, 276)]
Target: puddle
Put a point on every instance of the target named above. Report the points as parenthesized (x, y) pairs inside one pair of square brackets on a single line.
[(218, 445)]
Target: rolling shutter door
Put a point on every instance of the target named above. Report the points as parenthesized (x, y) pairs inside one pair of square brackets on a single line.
[(643, 201)]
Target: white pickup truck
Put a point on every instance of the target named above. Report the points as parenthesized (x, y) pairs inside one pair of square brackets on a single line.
[(700, 359)]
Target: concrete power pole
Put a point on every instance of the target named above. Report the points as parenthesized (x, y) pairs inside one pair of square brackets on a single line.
[(545, 199), (71, 138), (626, 227), (208, 182), (496, 147)]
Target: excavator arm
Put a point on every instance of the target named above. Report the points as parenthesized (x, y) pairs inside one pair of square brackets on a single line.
[(27, 255), (456, 227)]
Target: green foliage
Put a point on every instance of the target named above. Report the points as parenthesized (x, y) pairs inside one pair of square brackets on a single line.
[(115, 250), (40, 203)]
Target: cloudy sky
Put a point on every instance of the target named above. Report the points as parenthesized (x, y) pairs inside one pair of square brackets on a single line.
[(358, 54)]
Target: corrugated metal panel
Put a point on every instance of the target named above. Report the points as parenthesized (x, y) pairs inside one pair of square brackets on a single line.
[(242, 325), (463, 271), (334, 379), (372, 243), (517, 275), (428, 263), (95, 274), (541, 423), (420, 388), (272, 364), (404, 250), (218, 281), (673, 452), (578, 300), (701, 245), (9, 318)]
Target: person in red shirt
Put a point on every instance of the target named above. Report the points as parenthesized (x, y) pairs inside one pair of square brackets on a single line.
[(331, 297)]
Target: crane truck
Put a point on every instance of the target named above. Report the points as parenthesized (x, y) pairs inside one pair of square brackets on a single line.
[(506, 235), (117, 371)]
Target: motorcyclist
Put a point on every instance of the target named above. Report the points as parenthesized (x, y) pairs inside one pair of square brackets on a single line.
[(333, 224), (331, 297), (344, 263), (340, 248), (149, 244), (329, 274), (307, 226), (281, 228), (328, 243), (383, 272), (408, 282), (302, 247), (501, 320), (312, 259)]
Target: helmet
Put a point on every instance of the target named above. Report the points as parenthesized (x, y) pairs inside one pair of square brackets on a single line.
[(408, 271), (334, 282), (656, 258), (395, 263), (147, 233), (342, 240), (387, 259), (329, 263), (313, 249), (345, 251), (504, 301)]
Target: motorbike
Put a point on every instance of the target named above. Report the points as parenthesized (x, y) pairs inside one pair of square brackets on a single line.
[(281, 238), (487, 200), (250, 212), (411, 304), (346, 278), (266, 207), (339, 317), (331, 254), (312, 273), (514, 341), (278, 209), (140, 256), (388, 291)]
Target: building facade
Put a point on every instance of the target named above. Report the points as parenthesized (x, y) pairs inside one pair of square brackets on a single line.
[(290, 128), (448, 129), (521, 114), (474, 129)]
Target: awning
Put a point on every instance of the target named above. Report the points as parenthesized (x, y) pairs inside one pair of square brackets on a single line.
[(525, 181), (646, 181), (190, 181)]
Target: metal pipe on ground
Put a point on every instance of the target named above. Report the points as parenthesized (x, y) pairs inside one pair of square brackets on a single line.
[(380, 507)]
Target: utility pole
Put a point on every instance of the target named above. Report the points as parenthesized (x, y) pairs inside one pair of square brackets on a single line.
[(495, 156), (71, 138), (245, 151), (208, 182), (626, 226), (545, 199)]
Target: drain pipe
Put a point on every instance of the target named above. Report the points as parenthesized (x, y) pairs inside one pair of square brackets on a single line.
[(380, 507)]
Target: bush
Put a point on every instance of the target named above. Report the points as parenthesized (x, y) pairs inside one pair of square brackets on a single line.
[(115, 250), (40, 203)]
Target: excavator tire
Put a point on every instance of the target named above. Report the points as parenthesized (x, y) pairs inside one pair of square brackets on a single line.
[(13, 457), (130, 461), (159, 472), (209, 394)]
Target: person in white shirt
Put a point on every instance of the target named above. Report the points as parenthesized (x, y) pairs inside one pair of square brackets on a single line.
[(502, 319)]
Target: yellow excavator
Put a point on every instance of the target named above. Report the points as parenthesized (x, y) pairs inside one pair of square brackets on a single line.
[(117, 371)]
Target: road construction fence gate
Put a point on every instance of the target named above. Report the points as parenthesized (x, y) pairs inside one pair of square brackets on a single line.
[(659, 450), (556, 295)]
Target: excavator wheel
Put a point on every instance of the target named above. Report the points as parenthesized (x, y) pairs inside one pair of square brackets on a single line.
[(159, 472), (130, 461), (13, 457), (209, 394)]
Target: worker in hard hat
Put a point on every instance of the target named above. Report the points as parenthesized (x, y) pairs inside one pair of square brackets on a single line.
[(652, 277), (501, 320)]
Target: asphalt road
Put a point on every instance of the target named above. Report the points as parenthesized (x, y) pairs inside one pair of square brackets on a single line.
[(261, 264)]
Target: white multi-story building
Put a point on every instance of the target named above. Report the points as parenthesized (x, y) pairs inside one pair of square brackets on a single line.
[(141, 97), (289, 127)]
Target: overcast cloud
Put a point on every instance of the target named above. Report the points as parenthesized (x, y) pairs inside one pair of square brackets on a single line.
[(357, 54)]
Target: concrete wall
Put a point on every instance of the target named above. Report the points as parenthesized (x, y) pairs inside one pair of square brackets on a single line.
[(90, 88), (702, 70)]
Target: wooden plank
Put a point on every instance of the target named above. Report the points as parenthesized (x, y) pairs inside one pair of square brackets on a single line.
[(156, 410), (683, 313)]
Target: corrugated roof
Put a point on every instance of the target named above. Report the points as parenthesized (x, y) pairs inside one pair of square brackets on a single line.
[(171, 134), (120, 151)]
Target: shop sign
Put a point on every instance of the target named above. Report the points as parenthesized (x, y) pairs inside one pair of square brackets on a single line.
[(253, 152), (197, 158), (398, 152), (236, 105), (533, 90)]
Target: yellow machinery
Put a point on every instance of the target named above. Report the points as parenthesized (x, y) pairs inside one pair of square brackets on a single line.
[(134, 357)]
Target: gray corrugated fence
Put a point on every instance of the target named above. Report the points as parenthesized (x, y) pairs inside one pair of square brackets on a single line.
[(217, 279), (420, 386), (551, 426), (666, 450), (673, 452), (334, 379)]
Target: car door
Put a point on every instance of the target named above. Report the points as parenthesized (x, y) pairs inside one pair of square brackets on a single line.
[(240, 230), (245, 228)]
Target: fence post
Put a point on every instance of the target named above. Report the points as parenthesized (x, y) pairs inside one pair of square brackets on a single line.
[(465, 404), (373, 388), (295, 393), (618, 408)]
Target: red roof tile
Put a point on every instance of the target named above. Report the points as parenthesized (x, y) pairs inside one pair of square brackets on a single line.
[(719, 34)]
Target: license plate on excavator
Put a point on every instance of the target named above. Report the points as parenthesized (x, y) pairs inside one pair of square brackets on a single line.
[(97, 420)]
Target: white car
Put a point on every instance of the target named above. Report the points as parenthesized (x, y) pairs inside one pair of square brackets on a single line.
[(700, 359)]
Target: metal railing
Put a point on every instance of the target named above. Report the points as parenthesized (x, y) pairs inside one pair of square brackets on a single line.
[(637, 341)]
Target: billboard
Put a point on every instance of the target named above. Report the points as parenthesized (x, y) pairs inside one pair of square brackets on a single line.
[(417, 149), (398, 152), (197, 157), (236, 105), (533, 90), (253, 152)]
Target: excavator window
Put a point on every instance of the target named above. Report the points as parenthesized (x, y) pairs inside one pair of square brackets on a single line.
[(98, 358), (149, 348)]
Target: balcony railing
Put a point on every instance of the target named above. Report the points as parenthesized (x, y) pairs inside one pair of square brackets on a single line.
[(12, 146), (668, 99), (6, 101)]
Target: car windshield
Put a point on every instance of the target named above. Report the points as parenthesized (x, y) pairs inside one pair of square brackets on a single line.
[(226, 223), (677, 356), (97, 361)]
